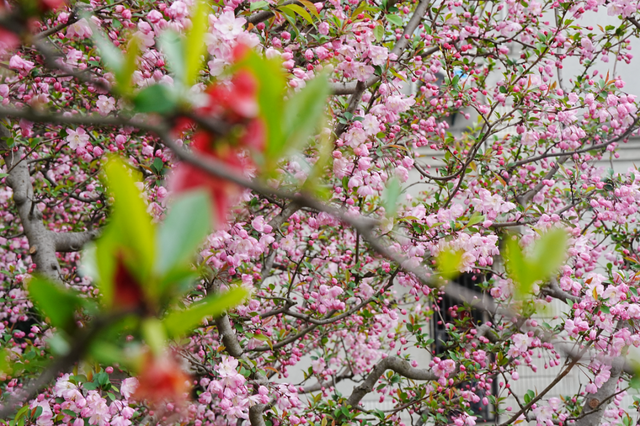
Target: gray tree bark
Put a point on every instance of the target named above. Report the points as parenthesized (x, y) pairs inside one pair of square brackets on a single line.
[(43, 243)]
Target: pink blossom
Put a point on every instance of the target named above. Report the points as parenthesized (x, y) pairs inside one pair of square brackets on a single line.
[(77, 138), (80, 29), (20, 64)]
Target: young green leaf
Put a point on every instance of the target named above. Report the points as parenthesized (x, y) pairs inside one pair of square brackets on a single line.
[(300, 11), (130, 217), (547, 255), (195, 46), (179, 323), (158, 98), (154, 335), (311, 8), (130, 232), (129, 65), (258, 5), (395, 20), (448, 263), (378, 32), (518, 267), (475, 219), (184, 229), (172, 46), (549, 252), (302, 115), (110, 55), (390, 197), (271, 91), (57, 303), (6, 366)]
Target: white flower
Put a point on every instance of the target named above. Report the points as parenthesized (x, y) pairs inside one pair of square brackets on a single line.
[(378, 54), (105, 104), (128, 387), (62, 385), (370, 124), (397, 103), (521, 342), (80, 29), (77, 138), (228, 26)]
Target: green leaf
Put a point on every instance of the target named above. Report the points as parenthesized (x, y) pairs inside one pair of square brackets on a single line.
[(129, 65), (184, 229), (195, 46), (56, 302), (390, 197), (549, 252), (529, 396), (475, 219), (300, 11), (179, 323), (154, 335), (302, 115), (547, 255), (110, 55), (271, 91), (102, 378), (131, 231), (448, 263), (158, 98), (395, 20), (90, 386), (378, 33), (518, 267), (258, 5), (172, 46)]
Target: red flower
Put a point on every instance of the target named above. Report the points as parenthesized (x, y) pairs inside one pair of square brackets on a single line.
[(223, 193), (161, 379), (8, 40), (47, 5), (237, 100), (127, 294), (235, 103)]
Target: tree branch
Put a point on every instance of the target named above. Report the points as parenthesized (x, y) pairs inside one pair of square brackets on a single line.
[(41, 241), (73, 241), (396, 364)]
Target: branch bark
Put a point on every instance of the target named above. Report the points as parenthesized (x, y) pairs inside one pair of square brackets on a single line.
[(395, 364), (41, 241), (73, 241)]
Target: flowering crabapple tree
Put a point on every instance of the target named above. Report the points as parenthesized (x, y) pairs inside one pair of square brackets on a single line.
[(205, 216)]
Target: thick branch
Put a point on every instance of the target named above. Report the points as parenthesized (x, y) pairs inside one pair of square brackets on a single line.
[(554, 290), (41, 241), (396, 364), (73, 241), (331, 382), (228, 336)]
